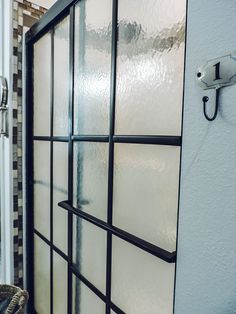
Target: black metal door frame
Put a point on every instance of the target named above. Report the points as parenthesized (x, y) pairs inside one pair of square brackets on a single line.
[(61, 9)]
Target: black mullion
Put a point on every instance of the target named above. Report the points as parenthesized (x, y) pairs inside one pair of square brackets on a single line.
[(148, 139), (90, 138), (129, 139), (29, 177), (181, 151), (51, 168), (70, 156), (51, 138), (60, 138), (111, 152), (42, 138), (79, 158), (132, 139)]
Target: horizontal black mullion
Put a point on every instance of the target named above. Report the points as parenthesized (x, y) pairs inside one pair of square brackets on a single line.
[(58, 251), (161, 140), (51, 138), (41, 138), (90, 138), (94, 289), (169, 257), (60, 139), (149, 139)]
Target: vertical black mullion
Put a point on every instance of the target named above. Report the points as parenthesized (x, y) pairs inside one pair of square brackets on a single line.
[(111, 151), (70, 156), (29, 178), (181, 151), (81, 31), (51, 168)]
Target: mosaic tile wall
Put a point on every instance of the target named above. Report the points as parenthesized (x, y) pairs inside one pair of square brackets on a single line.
[(24, 13)]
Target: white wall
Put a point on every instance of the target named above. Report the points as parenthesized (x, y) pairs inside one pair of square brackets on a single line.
[(44, 3), (206, 266)]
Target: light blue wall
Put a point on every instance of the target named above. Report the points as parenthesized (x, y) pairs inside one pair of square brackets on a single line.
[(206, 267)]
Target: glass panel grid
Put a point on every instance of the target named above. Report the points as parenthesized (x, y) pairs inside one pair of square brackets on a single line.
[(107, 279)]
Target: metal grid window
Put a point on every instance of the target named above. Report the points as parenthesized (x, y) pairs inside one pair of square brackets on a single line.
[(75, 143)]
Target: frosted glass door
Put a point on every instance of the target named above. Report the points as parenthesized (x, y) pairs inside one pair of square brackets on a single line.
[(107, 104), (128, 76)]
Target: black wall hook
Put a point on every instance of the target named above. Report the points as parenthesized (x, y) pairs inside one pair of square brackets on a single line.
[(205, 100)]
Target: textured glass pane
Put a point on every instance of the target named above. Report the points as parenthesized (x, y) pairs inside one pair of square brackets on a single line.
[(90, 178), (92, 66), (41, 276), (42, 187), (84, 300), (59, 285), (146, 192), (89, 252), (141, 282), (150, 66), (61, 78), (42, 70), (60, 183)]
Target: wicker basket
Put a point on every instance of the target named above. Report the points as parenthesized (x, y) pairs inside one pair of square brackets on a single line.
[(18, 299)]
